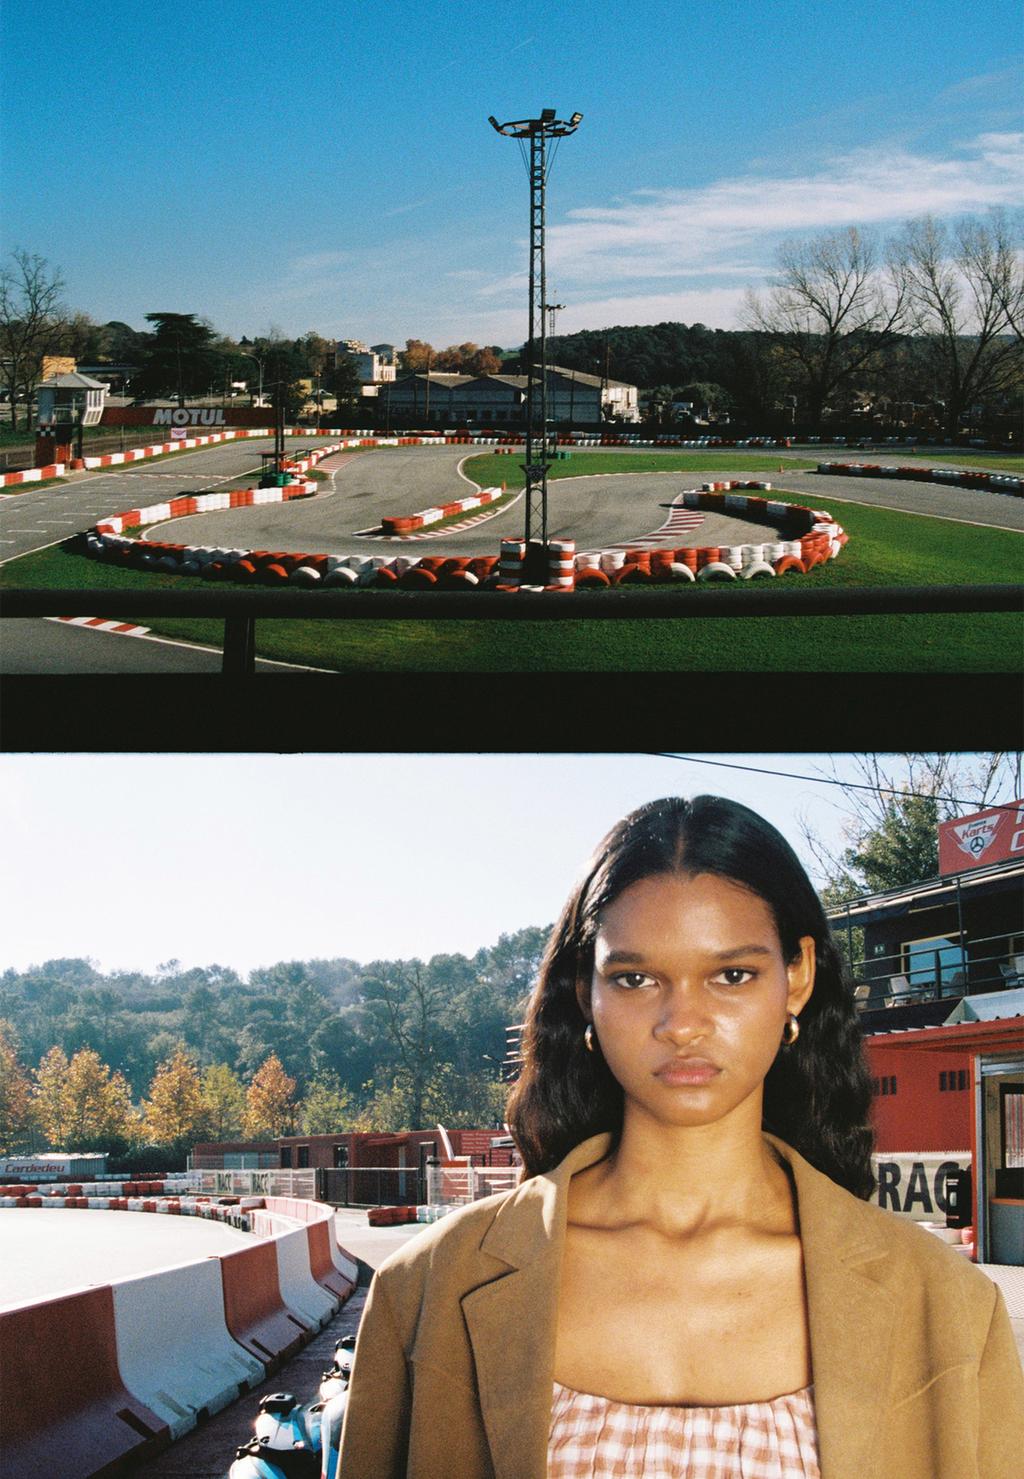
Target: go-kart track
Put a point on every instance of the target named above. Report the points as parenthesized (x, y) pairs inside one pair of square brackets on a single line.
[(597, 512)]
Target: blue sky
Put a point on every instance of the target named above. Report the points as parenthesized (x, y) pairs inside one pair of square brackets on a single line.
[(244, 860), (266, 163)]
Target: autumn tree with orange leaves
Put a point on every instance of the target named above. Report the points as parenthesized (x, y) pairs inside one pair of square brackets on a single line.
[(176, 1111), (15, 1094), (81, 1104), (269, 1106)]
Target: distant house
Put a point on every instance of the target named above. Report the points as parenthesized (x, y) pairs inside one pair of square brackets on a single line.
[(574, 399), (374, 367)]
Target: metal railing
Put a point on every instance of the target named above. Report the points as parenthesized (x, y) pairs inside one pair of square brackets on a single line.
[(468, 1183), (371, 1186), (983, 963), (277, 1183), (240, 609)]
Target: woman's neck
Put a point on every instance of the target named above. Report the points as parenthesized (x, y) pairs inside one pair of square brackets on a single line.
[(683, 1179)]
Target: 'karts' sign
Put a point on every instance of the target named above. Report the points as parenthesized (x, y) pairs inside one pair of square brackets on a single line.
[(992, 836)]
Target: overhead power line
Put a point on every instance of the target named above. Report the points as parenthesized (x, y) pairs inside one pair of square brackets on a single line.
[(822, 780)]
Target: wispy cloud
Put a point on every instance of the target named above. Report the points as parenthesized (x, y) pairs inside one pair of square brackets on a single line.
[(660, 233), (661, 253), (318, 261)]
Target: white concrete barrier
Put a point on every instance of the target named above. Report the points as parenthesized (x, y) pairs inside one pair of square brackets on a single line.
[(173, 1346)]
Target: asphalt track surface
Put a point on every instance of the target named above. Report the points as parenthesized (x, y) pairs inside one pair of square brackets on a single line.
[(365, 486), (31, 518), (29, 645), (48, 1251), (596, 511)]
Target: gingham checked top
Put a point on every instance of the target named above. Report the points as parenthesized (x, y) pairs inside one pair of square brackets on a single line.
[(595, 1438)]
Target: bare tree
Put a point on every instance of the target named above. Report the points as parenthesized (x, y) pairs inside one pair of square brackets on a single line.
[(891, 809), (966, 297), (836, 305), (32, 323)]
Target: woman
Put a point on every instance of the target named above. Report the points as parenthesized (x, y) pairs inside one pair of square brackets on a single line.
[(687, 1282)]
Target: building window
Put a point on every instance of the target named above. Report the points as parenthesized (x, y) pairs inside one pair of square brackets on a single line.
[(953, 1079), (303, 1160), (286, 1157), (884, 1085), (934, 964)]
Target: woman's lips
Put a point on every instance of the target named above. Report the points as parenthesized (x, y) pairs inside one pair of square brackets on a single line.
[(687, 1071)]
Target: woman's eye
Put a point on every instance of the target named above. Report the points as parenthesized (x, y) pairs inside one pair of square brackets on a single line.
[(632, 979), (735, 975)]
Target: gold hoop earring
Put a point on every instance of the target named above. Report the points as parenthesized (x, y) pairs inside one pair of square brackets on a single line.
[(791, 1031), (588, 1037)]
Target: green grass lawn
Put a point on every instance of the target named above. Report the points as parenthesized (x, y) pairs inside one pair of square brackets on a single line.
[(489, 468), (885, 548)]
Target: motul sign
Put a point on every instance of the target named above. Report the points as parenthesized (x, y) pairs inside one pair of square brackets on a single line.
[(180, 416), (993, 836)]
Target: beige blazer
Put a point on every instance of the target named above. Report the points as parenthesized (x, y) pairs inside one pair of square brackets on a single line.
[(916, 1375)]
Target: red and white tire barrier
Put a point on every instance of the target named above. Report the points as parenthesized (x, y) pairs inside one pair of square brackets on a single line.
[(407, 524), (173, 1185), (961, 477), (561, 564), (144, 1358), (510, 566), (811, 536)]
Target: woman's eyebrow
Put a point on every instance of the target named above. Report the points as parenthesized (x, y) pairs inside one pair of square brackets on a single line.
[(622, 957), (634, 957)]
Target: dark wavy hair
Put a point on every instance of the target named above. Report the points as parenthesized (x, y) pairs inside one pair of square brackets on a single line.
[(817, 1092)]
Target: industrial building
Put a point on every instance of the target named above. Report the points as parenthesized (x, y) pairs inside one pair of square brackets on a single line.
[(574, 400)]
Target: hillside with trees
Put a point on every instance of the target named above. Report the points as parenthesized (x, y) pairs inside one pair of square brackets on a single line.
[(95, 1060)]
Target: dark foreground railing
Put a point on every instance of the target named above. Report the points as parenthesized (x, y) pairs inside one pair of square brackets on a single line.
[(240, 609)]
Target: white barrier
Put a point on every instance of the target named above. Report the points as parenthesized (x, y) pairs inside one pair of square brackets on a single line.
[(173, 1346)]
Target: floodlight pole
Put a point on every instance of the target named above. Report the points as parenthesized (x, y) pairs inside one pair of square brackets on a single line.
[(538, 458)]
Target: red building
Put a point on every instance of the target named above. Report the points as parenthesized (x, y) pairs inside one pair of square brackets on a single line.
[(362, 1167)]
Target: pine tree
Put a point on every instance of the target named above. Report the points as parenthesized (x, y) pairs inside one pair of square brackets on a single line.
[(269, 1108)]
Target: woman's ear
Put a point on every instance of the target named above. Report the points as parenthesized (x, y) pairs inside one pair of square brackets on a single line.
[(801, 976), (583, 998)]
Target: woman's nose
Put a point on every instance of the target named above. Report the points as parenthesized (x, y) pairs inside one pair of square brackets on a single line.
[(683, 1017)]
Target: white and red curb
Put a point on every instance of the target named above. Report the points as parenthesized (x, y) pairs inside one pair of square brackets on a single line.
[(102, 624)]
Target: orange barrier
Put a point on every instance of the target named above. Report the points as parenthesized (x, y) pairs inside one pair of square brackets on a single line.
[(254, 1310), (63, 1406), (321, 1262)]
